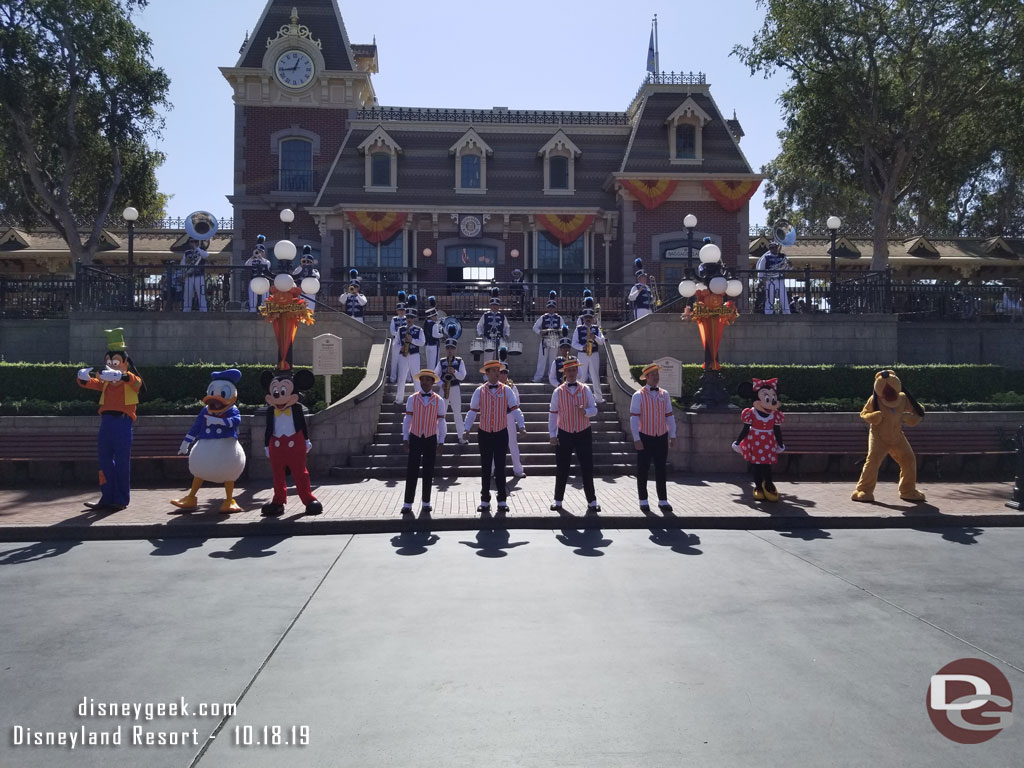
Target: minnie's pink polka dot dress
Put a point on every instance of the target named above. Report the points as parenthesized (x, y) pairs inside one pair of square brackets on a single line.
[(759, 446)]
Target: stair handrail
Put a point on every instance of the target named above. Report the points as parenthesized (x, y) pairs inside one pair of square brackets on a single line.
[(381, 374)]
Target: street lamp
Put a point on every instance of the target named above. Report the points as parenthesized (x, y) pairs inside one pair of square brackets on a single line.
[(131, 215), (287, 216), (690, 222), (833, 224)]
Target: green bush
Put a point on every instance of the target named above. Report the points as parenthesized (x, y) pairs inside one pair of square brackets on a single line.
[(52, 387), (819, 383)]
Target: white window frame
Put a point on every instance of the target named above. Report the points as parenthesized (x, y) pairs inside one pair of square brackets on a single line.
[(588, 255), (559, 145), (352, 250), (470, 143), (380, 142), (280, 158), (687, 113)]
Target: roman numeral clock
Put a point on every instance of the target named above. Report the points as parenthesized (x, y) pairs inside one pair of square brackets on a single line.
[(294, 69)]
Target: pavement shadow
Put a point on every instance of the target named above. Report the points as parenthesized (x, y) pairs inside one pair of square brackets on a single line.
[(586, 542), (249, 547), (38, 551), (409, 543), (675, 539), (788, 505), (967, 534), (87, 517), (493, 543)]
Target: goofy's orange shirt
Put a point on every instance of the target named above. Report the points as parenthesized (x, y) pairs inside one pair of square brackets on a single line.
[(120, 397)]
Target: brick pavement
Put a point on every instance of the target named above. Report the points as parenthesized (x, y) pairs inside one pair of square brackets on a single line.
[(31, 514)]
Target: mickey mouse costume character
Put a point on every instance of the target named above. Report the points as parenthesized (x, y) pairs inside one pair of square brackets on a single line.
[(286, 441), (119, 384), (215, 452), (760, 440)]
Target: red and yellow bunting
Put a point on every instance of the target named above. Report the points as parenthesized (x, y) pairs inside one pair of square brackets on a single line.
[(565, 228), (732, 195), (377, 227), (651, 192)]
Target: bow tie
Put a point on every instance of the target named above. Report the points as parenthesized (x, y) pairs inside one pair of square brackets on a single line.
[(571, 383), (653, 389), (285, 412), (493, 386)]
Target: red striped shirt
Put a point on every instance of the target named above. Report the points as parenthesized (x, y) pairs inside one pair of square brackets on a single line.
[(425, 412), (494, 408), (570, 417), (653, 409)]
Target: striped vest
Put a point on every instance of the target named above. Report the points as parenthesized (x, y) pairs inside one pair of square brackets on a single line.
[(570, 417), (494, 408), (652, 412), (425, 412)]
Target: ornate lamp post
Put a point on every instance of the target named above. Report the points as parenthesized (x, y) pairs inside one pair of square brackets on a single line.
[(285, 309), (690, 222), (287, 216), (833, 224), (131, 215), (712, 313)]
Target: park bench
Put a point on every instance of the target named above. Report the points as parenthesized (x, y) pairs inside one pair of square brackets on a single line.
[(148, 443), (930, 444)]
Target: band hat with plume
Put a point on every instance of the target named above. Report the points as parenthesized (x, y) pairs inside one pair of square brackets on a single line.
[(494, 296), (638, 264), (401, 300), (307, 254), (261, 244), (552, 295), (353, 275), (431, 306), (410, 305), (565, 340)]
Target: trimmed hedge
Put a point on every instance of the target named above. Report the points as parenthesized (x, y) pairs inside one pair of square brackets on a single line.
[(51, 388), (939, 384)]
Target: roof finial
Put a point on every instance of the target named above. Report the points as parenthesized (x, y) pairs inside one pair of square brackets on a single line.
[(295, 15)]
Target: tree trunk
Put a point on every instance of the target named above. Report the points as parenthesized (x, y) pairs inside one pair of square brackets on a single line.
[(880, 216)]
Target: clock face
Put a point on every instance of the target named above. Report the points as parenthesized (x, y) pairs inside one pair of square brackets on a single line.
[(470, 226), (294, 69)]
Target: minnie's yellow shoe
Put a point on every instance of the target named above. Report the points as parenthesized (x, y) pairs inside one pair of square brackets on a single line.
[(771, 493), (758, 493)]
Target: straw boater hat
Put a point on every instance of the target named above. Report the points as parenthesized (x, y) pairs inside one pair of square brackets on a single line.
[(491, 364), (572, 362), (649, 369), (427, 372)]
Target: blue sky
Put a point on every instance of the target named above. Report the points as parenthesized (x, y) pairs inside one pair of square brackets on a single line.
[(559, 54)]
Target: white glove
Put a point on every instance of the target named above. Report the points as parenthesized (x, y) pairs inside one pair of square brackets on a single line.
[(780, 449), (83, 374), (110, 374), (309, 446), (266, 451), (736, 447), (214, 420), (183, 448)]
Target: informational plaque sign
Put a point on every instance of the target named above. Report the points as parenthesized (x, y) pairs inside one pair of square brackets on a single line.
[(671, 375), (327, 359)]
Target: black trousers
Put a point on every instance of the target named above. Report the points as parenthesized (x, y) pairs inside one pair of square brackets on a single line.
[(655, 451), (762, 473), (422, 450), (493, 454), (582, 444)]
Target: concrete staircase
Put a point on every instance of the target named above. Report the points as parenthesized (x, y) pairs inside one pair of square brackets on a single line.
[(384, 458)]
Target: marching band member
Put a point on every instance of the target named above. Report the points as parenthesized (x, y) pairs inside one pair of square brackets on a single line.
[(585, 341), (451, 372), (640, 296), (555, 375), (772, 267), (572, 406), (260, 266), (547, 324), (423, 433), (353, 300), (653, 424), (394, 328), (193, 262), (432, 334), (516, 424), (586, 295), (493, 401), (409, 350), (307, 268), (493, 325)]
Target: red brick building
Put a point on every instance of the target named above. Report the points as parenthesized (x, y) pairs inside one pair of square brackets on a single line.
[(563, 196)]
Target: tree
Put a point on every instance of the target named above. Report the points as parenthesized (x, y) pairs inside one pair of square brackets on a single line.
[(78, 99), (887, 94)]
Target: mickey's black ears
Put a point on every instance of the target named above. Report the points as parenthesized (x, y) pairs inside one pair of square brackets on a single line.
[(303, 379), (266, 377)]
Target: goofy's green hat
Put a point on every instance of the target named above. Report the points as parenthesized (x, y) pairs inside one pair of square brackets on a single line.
[(115, 339)]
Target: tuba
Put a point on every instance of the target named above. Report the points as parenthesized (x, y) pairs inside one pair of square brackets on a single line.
[(783, 232), (201, 226)]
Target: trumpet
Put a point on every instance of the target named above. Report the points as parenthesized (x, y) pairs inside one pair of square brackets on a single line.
[(353, 289)]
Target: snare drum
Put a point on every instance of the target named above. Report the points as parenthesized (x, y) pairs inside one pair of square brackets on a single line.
[(551, 339), (515, 347), (476, 346), (490, 345)]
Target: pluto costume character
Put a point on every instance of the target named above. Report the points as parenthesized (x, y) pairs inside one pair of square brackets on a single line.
[(216, 455), (889, 408)]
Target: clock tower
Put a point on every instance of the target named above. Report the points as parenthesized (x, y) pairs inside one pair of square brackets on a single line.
[(296, 79)]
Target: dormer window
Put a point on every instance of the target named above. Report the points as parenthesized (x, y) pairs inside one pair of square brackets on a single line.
[(471, 153), (559, 156), (685, 133), (381, 153)]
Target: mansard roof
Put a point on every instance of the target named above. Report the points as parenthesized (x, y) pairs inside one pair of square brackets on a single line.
[(325, 24)]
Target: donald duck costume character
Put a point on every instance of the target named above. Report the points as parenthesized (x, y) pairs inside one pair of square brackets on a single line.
[(216, 454)]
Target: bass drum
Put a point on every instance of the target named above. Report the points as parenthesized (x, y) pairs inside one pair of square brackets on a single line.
[(515, 347), (551, 339)]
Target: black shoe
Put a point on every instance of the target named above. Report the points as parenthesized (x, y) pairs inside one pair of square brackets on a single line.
[(406, 510), (484, 507), (502, 507), (426, 509), (593, 509), (314, 508), (555, 507), (99, 506), (272, 510), (665, 507)]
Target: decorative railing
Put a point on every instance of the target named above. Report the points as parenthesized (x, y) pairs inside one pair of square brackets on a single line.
[(117, 224), (492, 116)]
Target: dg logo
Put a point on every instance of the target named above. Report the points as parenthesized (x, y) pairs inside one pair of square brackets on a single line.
[(969, 701)]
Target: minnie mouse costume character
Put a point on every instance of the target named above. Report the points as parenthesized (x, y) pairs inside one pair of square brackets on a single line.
[(760, 440), (286, 441)]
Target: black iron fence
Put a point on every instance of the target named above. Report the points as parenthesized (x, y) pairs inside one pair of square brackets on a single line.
[(173, 287)]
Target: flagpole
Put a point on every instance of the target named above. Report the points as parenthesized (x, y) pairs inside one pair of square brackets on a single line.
[(657, 62)]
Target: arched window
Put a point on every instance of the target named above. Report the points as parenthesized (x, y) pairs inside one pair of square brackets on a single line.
[(686, 141), (685, 133), (380, 169), (470, 171), (470, 153), (381, 153), (559, 155), (296, 166), (559, 172)]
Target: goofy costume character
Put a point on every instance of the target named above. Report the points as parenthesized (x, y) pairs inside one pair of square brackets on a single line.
[(119, 385), (286, 441)]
